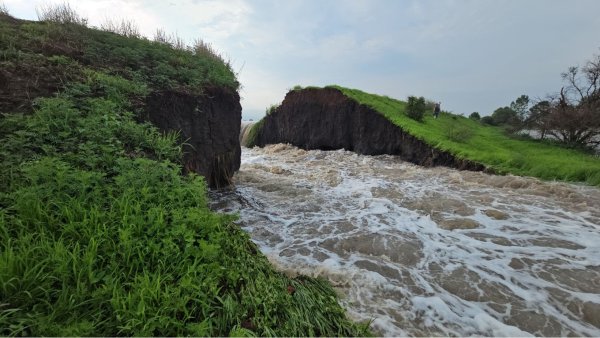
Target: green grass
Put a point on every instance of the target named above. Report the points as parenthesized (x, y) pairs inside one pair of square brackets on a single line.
[(101, 235), (489, 145), (155, 63)]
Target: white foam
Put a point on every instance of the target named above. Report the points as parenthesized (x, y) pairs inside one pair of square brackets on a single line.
[(370, 225)]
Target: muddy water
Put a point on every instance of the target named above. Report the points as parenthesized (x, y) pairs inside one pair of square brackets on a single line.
[(427, 251)]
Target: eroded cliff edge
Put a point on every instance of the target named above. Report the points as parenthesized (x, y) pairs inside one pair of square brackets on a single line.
[(187, 91), (209, 126), (326, 119)]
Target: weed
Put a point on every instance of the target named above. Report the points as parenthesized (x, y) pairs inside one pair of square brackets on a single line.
[(60, 13), (124, 27)]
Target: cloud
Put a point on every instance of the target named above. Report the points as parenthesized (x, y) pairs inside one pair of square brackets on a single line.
[(470, 54)]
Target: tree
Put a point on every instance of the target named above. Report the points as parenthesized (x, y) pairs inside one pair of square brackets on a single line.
[(537, 118), (505, 116), (475, 116), (573, 116), (520, 106)]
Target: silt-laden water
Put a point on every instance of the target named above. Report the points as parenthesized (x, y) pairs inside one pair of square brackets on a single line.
[(427, 251)]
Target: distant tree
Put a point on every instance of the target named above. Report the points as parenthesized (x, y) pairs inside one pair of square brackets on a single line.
[(416, 108), (475, 116), (573, 116), (521, 106), (537, 118), (488, 120), (505, 116)]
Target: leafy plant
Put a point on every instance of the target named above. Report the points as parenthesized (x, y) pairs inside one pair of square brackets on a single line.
[(415, 108)]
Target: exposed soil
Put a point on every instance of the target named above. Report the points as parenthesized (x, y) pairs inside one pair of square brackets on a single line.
[(209, 125), (326, 119)]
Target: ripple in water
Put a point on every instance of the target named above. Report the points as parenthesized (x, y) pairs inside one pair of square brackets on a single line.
[(427, 251)]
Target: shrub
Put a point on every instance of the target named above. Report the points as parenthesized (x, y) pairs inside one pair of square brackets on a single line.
[(475, 116), (125, 27), (61, 13), (488, 120), (272, 108), (416, 108)]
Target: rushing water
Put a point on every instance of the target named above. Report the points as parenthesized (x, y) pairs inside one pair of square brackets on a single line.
[(427, 251)]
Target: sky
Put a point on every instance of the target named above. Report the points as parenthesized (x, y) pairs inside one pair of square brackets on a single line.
[(471, 55)]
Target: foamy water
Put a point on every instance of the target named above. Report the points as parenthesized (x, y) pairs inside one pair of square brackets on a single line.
[(427, 251)]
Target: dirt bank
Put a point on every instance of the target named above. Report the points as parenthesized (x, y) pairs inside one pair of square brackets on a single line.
[(326, 119)]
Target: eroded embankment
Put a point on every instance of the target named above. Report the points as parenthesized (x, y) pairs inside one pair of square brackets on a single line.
[(326, 119), (209, 124)]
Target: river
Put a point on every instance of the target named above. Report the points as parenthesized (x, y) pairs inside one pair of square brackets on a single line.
[(426, 251)]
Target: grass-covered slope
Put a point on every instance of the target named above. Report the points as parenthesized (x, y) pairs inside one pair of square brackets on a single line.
[(101, 235), (488, 145)]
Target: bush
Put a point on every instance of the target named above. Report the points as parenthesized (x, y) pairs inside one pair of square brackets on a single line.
[(488, 120), (61, 13), (416, 108), (475, 116)]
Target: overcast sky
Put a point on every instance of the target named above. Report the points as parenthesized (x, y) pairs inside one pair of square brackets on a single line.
[(472, 55)]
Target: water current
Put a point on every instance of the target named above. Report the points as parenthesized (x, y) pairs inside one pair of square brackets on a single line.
[(426, 251)]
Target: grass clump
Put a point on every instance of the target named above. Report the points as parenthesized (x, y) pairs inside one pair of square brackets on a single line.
[(469, 139), (61, 14)]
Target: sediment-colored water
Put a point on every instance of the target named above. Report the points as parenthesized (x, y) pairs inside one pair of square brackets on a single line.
[(427, 251)]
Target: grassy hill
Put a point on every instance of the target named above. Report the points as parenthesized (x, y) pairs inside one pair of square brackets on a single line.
[(100, 234), (488, 145)]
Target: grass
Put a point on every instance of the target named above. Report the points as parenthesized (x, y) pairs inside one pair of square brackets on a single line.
[(159, 64), (100, 234), (488, 145)]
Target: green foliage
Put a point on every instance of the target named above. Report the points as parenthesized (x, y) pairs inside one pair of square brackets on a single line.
[(272, 108), (488, 145), (415, 109), (101, 235), (254, 132), (157, 64), (504, 115), (475, 116), (488, 120)]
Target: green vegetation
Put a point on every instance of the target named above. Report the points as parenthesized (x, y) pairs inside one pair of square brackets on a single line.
[(489, 145), (100, 234), (27, 46), (415, 108)]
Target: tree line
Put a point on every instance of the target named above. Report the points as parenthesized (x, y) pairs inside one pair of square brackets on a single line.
[(571, 116)]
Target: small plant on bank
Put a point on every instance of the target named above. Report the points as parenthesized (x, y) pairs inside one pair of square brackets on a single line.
[(61, 13), (124, 27), (3, 9), (272, 108), (416, 107)]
